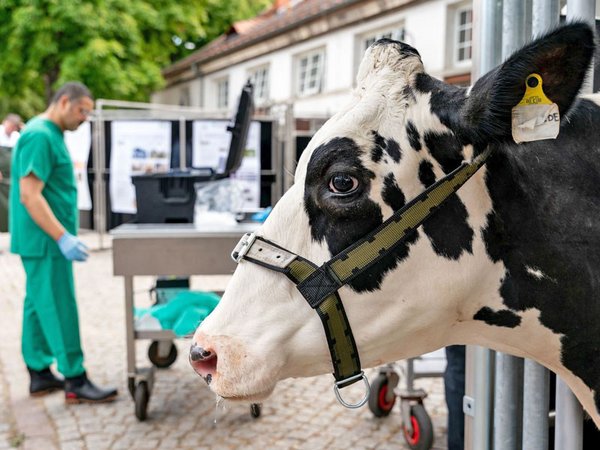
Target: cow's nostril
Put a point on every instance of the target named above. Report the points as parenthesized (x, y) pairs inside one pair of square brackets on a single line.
[(204, 362), (197, 353)]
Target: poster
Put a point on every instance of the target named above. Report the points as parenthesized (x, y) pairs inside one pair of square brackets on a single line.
[(79, 143), (137, 147), (210, 148)]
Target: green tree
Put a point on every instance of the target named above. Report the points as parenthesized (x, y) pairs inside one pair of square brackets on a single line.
[(116, 47)]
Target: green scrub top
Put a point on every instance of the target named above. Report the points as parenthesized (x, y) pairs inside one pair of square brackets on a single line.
[(41, 150)]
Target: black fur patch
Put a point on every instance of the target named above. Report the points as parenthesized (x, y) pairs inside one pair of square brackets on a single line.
[(502, 318), (381, 144), (393, 149), (413, 136), (341, 221), (426, 175), (545, 200), (447, 229), (392, 194), (544, 194), (446, 101), (378, 148), (445, 148)]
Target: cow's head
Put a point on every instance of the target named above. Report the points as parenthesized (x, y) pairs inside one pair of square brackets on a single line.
[(402, 131)]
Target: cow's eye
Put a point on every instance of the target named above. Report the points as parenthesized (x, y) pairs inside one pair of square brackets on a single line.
[(342, 183)]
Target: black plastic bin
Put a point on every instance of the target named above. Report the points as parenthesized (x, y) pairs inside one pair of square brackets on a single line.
[(168, 197)]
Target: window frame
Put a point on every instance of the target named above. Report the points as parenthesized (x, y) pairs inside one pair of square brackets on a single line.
[(302, 87), (222, 99), (457, 45), (261, 95)]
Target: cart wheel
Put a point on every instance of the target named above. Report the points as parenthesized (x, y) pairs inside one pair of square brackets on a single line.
[(162, 362), (379, 406), (255, 410), (421, 437), (142, 397)]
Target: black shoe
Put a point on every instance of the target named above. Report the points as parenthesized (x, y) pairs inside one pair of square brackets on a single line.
[(81, 390), (43, 382)]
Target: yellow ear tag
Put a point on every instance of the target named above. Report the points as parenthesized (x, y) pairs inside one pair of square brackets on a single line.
[(534, 94), (535, 117)]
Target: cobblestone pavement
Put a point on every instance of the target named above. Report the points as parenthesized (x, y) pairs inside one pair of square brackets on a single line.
[(183, 413)]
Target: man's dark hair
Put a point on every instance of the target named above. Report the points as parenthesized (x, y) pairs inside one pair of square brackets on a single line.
[(74, 90)]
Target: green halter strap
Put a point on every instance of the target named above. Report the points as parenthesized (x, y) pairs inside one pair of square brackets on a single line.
[(319, 285)]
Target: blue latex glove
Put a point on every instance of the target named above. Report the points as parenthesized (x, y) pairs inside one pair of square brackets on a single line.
[(261, 216), (72, 248)]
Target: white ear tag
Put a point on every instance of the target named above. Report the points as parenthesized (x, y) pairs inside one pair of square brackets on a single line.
[(535, 117)]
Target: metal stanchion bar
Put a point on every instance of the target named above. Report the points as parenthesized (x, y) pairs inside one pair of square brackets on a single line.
[(536, 400), (509, 369), (508, 402), (536, 378), (487, 16), (569, 413), (182, 144)]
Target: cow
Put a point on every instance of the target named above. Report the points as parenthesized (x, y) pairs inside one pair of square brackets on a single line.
[(509, 261)]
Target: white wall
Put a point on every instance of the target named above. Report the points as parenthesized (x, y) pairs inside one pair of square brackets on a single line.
[(425, 26)]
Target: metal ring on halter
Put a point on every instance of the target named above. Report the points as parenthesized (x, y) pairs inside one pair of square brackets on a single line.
[(336, 390)]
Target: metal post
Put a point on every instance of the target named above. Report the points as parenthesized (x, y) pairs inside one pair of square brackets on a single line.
[(545, 16), (99, 203), (289, 156), (569, 413), (513, 26), (536, 378), (182, 144), (477, 403), (584, 10), (536, 404), (569, 419), (508, 402), (508, 398)]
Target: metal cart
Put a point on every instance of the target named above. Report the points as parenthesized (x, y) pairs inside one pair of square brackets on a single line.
[(167, 249), (416, 423)]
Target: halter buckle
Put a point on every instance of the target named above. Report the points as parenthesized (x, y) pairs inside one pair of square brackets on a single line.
[(347, 382), (243, 246)]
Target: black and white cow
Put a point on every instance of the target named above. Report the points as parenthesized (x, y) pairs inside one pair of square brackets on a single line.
[(511, 261)]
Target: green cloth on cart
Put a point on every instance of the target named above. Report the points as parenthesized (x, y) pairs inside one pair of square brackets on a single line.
[(183, 313)]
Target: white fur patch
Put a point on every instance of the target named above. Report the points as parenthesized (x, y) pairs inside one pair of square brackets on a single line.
[(537, 273)]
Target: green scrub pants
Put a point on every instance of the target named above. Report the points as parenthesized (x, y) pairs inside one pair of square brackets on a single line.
[(50, 320)]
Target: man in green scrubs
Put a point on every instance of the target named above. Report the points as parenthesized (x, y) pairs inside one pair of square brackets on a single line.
[(43, 221)]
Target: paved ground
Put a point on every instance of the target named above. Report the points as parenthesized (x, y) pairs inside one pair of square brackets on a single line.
[(183, 413)]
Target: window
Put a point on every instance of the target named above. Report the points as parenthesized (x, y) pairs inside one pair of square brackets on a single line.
[(184, 96), (463, 35), (396, 33), (223, 93), (310, 73), (259, 77)]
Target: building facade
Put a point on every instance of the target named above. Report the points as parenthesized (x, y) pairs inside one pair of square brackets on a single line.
[(306, 53)]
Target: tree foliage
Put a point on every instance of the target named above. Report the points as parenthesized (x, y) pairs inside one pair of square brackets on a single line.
[(116, 47)]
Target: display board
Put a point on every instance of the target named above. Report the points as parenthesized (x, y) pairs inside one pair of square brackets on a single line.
[(137, 147), (79, 143), (210, 148)]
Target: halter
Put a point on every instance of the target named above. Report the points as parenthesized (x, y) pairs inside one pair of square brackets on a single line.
[(319, 285)]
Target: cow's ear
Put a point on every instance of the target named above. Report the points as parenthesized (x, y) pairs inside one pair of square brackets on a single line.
[(561, 58)]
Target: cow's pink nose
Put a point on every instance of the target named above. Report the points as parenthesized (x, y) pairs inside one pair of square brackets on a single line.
[(204, 362)]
